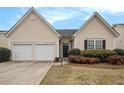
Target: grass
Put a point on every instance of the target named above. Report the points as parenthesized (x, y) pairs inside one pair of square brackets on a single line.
[(80, 75)]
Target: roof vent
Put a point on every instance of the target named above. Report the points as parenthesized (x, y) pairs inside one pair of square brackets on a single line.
[(33, 18)]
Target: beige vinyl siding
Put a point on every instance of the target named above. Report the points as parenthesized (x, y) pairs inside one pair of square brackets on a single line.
[(4, 42), (95, 29), (34, 31), (120, 39)]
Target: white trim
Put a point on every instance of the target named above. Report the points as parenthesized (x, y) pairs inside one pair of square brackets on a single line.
[(33, 51), (96, 14), (57, 48), (94, 43), (114, 43), (10, 47), (45, 43), (19, 43), (30, 10), (95, 38)]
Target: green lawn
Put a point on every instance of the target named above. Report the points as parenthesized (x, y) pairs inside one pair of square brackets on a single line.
[(76, 74)]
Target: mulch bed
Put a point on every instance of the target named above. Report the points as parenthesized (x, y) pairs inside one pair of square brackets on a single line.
[(100, 65)]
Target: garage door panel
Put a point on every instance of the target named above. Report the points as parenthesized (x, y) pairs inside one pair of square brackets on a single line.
[(37, 52), (45, 52), (22, 52)]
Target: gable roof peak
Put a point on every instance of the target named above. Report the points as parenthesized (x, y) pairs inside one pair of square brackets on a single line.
[(101, 19), (36, 12), (32, 9), (95, 12)]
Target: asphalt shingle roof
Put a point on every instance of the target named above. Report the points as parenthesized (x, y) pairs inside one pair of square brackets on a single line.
[(66, 32), (2, 32)]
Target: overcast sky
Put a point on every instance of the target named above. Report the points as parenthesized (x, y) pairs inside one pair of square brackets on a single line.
[(61, 17)]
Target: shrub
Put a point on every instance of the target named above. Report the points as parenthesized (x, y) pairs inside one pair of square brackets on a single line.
[(4, 54), (102, 54), (70, 58), (116, 59), (93, 60), (83, 60), (74, 51), (119, 51), (74, 59)]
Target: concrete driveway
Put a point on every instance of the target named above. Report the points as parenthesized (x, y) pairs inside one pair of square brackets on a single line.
[(23, 73)]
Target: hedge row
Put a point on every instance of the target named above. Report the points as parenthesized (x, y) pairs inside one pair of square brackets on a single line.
[(98, 53), (93, 53), (114, 60), (95, 56), (4, 54), (119, 51)]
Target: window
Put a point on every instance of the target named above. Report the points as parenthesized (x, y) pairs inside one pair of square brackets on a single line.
[(94, 44), (90, 44), (98, 44)]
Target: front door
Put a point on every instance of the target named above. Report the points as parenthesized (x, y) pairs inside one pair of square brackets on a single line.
[(65, 50)]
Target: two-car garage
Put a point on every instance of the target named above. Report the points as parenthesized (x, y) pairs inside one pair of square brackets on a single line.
[(37, 52), (33, 39)]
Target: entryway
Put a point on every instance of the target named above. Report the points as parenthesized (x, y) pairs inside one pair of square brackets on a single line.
[(65, 50)]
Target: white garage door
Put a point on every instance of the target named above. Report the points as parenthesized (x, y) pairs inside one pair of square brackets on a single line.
[(22, 52), (45, 52)]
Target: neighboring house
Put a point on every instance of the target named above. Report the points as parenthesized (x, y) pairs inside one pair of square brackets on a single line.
[(3, 40), (33, 38), (120, 40)]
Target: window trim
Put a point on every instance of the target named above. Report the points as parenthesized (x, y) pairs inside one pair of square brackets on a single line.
[(94, 43)]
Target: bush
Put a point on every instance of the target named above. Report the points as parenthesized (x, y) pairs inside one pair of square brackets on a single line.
[(74, 59), (83, 60), (116, 60), (4, 54), (74, 51), (93, 60), (101, 54), (119, 51), (87, 60)]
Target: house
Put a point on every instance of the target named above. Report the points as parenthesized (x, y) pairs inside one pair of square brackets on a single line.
[(95, 33), (33, 38), (3, 40), (120, 40)]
